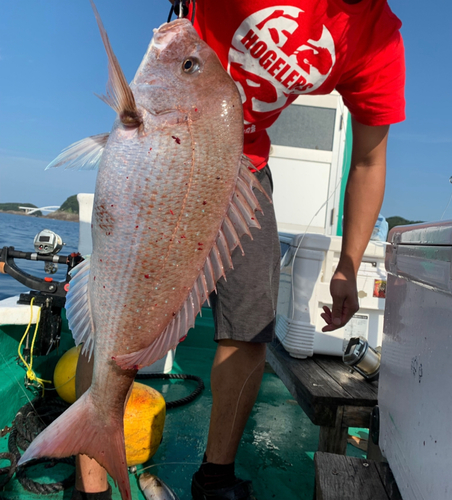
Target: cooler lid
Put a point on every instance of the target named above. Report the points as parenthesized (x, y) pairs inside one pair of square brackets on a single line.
[(422, 253), (315, 241), (322, 242), (431, 233)]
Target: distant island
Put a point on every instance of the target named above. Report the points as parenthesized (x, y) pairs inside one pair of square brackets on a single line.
[(400, 221), (67, 211)]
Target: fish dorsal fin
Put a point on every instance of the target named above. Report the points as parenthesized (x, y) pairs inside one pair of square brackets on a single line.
[(119, 95), (82, 155), (78, 310), (237, 222)]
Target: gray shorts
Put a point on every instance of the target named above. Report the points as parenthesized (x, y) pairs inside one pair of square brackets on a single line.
[(244, 306)]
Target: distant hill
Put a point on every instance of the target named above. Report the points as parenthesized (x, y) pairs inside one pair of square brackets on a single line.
[(70, 205), (67, 211), (396, 220), (14, 207)]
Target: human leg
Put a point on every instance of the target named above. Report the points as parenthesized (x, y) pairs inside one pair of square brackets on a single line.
[(244, 312), (235, 380), (90, 478)]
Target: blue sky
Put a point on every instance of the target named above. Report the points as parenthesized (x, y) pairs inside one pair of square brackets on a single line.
[(52, 61)]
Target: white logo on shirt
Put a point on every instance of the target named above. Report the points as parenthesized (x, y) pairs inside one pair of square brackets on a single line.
[(276, 52)]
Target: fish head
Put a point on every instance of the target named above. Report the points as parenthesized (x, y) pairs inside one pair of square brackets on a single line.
[(180, 75)]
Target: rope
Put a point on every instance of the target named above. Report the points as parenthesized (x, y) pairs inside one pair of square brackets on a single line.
[(168, 376), (9, 471), (30, 420), (36, 415)]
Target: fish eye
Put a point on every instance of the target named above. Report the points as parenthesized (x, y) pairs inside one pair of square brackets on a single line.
[(190, 65)]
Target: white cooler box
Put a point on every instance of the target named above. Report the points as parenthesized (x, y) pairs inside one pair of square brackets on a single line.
[(415, 386), (307, 265)]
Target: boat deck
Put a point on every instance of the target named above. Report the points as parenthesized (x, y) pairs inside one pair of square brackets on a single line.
[(276, 453)]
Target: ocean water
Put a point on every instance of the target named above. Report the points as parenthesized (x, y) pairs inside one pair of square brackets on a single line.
[(19, 231)]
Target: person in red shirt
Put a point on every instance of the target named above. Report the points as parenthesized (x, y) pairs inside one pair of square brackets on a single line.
[(276, 51)]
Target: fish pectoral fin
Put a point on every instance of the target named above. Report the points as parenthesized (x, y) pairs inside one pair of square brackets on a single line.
[(82, 155), (119, 94), (78, 310)]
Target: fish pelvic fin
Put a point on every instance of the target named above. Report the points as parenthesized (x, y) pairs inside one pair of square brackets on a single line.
[(82, 155), (240, 217), (78, 310), (81, 430), (119, 95)]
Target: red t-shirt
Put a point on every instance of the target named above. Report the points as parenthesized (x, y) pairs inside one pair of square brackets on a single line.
[(277, 50)]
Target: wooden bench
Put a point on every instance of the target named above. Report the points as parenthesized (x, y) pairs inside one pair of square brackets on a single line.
[(346, 478), (330, 394)]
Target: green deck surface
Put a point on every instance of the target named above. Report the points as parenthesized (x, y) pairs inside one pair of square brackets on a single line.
[(276, 452)]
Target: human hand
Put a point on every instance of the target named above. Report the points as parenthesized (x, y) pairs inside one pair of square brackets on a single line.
[(345, 301)]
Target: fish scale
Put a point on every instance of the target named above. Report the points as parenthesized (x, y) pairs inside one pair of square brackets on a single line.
[(173, 193), (173, 197)]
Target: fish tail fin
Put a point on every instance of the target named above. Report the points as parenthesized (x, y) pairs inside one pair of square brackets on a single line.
[(81, 430)]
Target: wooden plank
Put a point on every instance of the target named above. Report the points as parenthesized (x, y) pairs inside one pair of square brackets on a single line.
[(388, 481), (307, 371), (359, 389), (334, 439), (307, 383), (347, 478), (357, 416), (374, 452), (318, 413), (322, 384)]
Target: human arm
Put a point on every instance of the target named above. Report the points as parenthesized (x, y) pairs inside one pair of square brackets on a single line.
[(363, 199)]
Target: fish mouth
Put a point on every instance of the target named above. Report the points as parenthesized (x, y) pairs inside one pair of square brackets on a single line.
[(166, 33), (177, 23)]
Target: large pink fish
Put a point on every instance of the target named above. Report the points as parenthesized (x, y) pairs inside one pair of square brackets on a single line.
[(173, 196)]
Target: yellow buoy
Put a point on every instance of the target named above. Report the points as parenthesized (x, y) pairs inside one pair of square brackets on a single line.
[(144, 420), (64, 374), (144, 417)]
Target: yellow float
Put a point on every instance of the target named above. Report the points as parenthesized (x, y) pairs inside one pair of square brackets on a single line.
[(144, 420), (64, 374), (144, 417)]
